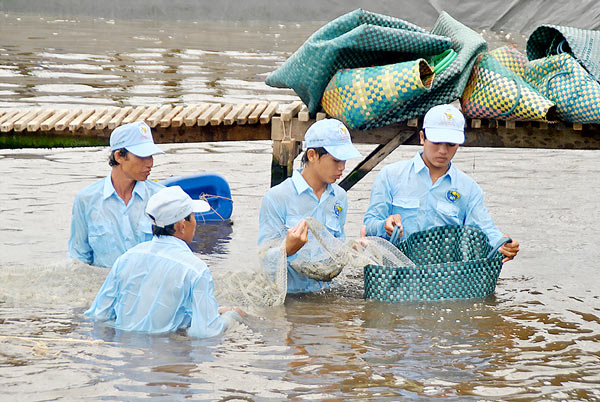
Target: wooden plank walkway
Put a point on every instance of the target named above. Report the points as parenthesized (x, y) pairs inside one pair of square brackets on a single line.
[(284, 124)]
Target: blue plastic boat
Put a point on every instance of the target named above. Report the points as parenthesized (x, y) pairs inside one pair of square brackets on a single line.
[(210, 187)]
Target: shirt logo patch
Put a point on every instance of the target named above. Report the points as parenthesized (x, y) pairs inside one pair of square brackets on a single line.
[(452, 195), (337, 209)]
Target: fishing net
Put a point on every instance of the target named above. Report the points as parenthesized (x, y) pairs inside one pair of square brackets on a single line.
[(267, 285)]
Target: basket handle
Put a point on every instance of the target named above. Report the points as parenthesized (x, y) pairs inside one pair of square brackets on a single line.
[(500, 244), (395, 235), (443, 60)]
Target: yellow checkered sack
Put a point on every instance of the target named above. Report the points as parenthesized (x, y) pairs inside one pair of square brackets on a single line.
[(496, 90), (359, 96)]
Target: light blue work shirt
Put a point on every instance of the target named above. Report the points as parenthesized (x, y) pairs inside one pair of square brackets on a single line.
[(160, 286), (405, 188), (103, 227), (284, 205)]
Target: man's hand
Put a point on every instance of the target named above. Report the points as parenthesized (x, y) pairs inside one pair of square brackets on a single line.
[(296, 238), (236, 309), (509, 250), (391, 222)]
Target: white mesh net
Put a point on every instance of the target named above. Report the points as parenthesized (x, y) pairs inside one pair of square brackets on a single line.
[(267, 285)]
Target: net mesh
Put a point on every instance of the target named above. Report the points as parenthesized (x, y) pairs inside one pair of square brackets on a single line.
[(266, 285)]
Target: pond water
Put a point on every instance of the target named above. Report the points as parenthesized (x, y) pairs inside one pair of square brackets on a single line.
[(536, 338)]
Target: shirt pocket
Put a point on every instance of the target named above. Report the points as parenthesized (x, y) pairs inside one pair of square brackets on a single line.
[(405, 207), (98, 235), (333, 225), (146, 230), (448, 211)]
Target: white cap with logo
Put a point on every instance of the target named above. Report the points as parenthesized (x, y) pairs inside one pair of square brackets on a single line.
[(332, 135), (172, 204), (444, 123), (136, 138)]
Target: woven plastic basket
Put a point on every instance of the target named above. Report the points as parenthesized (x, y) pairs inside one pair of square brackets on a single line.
[(451, 262)]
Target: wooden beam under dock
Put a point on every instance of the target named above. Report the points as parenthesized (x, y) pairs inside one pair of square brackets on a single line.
[(284, 124)]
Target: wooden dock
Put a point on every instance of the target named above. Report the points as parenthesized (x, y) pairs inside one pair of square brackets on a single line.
[(284, 124)]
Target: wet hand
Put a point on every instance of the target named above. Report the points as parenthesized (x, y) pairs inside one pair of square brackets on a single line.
[(509, 250), (391, 222), (296, 238), (223, 310)]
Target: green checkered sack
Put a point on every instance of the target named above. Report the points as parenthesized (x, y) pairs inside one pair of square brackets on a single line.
[(565, 82), (451, 262), (583, 44), (357, 39)]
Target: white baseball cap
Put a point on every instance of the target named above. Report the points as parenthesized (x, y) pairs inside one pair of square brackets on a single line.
[(332, 135), (444, 123), (172, 204), (136, 138)]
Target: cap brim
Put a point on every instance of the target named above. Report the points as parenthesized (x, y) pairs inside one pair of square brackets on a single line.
[(343, 152), (445, 135), (144, 150), (200, 206)]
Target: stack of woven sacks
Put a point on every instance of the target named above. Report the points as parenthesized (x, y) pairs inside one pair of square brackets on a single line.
[(371, 70)]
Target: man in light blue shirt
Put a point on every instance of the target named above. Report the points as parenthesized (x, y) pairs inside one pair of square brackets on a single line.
[(310, 192), (108, 216), (161, 286), (428, 191)]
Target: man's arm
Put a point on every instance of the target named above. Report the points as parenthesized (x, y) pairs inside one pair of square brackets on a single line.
[(380, 207), (478, 215), (206, 320), (103, 306), (79, 246), (271, 233)]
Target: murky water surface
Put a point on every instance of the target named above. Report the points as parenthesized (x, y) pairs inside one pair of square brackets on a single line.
[(536, 338)]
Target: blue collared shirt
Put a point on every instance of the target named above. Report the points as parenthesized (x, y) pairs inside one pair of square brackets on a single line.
[(160, 286), (405, 188), (284, 205), (103, 227)]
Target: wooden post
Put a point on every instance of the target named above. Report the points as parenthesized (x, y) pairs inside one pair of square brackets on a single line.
[(287, 139)]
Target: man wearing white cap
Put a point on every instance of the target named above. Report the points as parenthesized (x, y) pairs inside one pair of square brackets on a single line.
[(161, 286), (108, 216), (309, 192), (428, 191)]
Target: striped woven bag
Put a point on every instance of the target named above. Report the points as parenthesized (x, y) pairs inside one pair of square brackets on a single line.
[(362, 96)]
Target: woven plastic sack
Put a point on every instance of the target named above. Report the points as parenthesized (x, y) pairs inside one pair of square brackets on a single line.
[(495, 91), (448, 85), (583, 44), (565, 82), (450, 262), (362, 95), (357, 39), (511, 58)]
